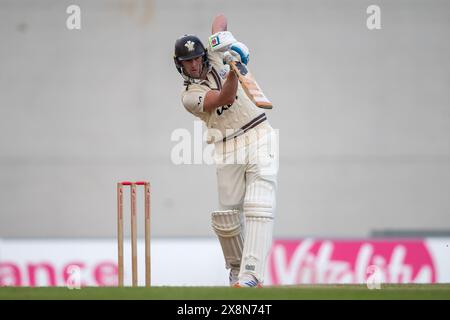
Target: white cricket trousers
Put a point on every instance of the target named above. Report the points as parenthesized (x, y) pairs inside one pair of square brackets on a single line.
[(247, 169)]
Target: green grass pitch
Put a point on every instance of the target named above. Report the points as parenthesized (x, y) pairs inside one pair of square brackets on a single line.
[(316, 292)]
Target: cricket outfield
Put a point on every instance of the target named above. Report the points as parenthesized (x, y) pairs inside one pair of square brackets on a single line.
[(307, 292)]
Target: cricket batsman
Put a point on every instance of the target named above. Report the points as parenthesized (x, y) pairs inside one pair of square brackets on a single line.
[(245, 150)]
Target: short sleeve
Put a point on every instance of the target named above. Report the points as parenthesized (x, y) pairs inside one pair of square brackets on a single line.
[(193, 101)]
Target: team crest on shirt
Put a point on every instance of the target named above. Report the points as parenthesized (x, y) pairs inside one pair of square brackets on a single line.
[(190, 45)]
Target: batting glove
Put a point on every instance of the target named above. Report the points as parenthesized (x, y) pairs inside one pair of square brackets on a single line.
[(228, 57), (240, 51)]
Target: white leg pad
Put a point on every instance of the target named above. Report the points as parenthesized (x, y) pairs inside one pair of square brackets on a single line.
[(259, 206), (227, 226), (258, 241)]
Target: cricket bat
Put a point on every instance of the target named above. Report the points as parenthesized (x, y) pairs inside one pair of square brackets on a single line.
[(250, 86)]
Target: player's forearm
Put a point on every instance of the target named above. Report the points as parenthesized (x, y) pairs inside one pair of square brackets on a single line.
[(219, 24), (215, 99), (229, 88)]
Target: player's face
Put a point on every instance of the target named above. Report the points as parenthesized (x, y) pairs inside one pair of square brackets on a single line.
[(193, 67)]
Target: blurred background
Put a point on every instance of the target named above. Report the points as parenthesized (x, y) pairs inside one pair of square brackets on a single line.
[(363, 115)]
